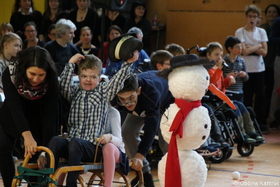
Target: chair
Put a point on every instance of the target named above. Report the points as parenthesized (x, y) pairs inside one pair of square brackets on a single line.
[(96, 168)]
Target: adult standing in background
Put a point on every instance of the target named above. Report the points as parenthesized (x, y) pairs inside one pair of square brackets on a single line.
[(254, 48), (52, 14), (30, 108), (23, 12), (272, 11), (85, 16), (62, 49), (138, 19), (274, 39)]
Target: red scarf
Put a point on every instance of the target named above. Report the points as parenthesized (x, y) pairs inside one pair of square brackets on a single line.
[(172, 170)]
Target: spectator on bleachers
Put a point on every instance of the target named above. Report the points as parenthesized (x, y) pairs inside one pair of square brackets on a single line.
[(30, 32), (138, 19), (23, 12), (51, 33), (85, 16), (112, 17), (52, 14), (113, 32), (86, 47), (175, 49), (62, 49), (4, 28), (9, 46)]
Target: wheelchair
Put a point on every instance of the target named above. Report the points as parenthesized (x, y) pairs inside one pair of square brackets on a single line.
[(231, 131)]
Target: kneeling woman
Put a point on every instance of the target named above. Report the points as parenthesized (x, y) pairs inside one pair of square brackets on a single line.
[(30, 108)]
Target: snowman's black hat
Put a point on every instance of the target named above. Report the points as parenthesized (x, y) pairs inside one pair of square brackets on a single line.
[(185, 60)]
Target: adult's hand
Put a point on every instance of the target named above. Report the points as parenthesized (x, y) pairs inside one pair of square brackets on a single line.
[(30, 145)]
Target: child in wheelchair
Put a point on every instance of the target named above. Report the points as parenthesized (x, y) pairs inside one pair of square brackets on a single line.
[(214, 52)]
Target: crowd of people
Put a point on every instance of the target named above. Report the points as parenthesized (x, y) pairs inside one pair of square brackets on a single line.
[(40, 52)]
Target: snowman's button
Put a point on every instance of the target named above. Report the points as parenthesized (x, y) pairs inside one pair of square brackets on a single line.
[(205, 126), (203, 137)]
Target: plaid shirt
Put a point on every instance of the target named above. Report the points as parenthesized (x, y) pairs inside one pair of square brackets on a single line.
[(89, 109)]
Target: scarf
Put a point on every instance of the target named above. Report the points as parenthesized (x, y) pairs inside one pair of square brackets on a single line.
[(172, 170), (25, 89)]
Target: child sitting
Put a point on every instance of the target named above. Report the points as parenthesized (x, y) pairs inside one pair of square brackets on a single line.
[(160, 59), (88, 114), (215, 52)]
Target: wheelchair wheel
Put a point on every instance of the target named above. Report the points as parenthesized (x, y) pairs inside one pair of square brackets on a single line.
[(229, 153), (220, 157), (245, 149)]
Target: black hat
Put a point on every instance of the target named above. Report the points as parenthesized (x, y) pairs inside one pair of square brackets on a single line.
[(185, 60), (122, 47)]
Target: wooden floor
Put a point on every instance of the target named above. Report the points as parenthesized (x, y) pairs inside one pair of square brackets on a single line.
[(262, 168)]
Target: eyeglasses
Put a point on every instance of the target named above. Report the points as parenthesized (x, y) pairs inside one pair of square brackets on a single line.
[(30, 31), (52, 34), (127, 103)]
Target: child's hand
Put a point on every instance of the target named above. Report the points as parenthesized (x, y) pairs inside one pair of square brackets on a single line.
[(76, 58), (242, 74), (219, 63), (41, 161), (231, 80), (105, 138), (134, 58)]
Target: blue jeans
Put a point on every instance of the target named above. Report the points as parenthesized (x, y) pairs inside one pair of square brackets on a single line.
[(75, 151)]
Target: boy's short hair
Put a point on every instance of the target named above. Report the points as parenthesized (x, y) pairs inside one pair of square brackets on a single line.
[(175, 49), (252, 8), (90, 62), (212, 46), (159, 56), (231, 41), (130, 84)]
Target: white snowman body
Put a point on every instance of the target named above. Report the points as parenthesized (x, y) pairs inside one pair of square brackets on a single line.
[(189, 83)]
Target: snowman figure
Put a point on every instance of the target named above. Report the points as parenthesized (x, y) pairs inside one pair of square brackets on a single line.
[(186, 124)]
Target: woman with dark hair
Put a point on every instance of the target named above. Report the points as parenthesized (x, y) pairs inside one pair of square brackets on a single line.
[(23, 12), (52, 14), (138, 19), (30, 108), (30, 32), (85, 16), (113, 32)]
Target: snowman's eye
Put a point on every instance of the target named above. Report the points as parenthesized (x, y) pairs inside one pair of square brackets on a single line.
[(203, 137), (205, 126), (207, 78)]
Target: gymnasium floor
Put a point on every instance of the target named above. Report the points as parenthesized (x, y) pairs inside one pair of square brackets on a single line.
[(260, 169)]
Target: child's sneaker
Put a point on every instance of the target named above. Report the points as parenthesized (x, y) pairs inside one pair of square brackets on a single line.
[(207, 151), (257, 137), (248, 139)]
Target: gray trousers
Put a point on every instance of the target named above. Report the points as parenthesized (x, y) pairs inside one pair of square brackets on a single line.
[(131, 128)]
